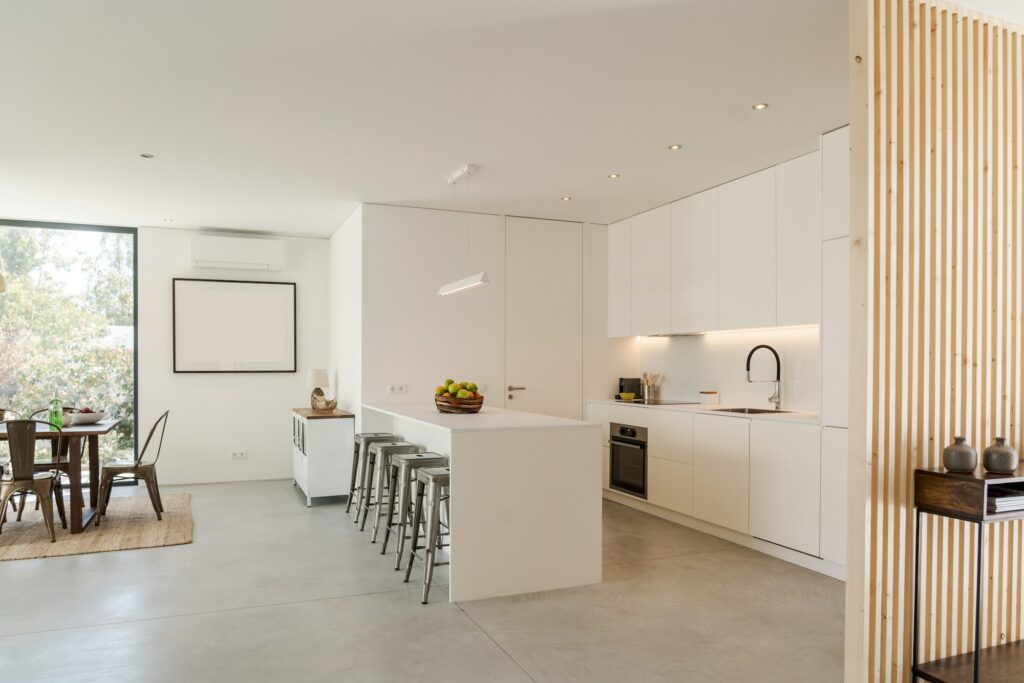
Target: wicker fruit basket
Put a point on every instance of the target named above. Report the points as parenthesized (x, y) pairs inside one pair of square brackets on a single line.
[(458, 405)]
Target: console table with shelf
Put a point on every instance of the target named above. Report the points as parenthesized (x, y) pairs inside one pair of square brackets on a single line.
[(322, 443), (965, 497)]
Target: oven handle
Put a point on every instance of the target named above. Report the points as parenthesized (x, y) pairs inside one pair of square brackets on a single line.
[(625, 444)]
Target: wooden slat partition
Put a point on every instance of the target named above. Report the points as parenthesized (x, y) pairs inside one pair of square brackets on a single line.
[(941, 249)]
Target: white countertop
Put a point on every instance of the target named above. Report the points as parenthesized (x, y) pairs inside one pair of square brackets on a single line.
[(488, 419), (793, 416)]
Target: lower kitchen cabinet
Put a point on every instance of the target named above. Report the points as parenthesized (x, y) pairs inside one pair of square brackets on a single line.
[(670, 485), (670, 435), (834, 454), (721, 471), (785, 484)]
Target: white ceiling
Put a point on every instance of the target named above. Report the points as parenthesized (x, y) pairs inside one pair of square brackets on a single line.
[(282, 116)]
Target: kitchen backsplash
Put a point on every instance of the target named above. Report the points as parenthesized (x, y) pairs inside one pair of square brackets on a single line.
[(718, 361)]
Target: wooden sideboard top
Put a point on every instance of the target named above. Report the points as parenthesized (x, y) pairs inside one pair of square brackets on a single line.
[(963, 495), (311, 414)]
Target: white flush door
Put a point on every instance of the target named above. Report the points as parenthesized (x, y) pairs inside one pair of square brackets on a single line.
[(544, 317)]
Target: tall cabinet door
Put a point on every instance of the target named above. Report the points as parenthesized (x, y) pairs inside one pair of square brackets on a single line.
[(620, 269), (798, 227), (835, 449), (835, 184), (694, 268), (746, 252), (835, 333), (650, 267), (544, 316)]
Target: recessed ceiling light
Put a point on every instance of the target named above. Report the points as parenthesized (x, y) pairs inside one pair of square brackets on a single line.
[(613, 176), (760, 106), (675, 147), (566, 199), (146, 155)]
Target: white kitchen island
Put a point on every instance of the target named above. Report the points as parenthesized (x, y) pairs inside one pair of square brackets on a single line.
[(525, 495)]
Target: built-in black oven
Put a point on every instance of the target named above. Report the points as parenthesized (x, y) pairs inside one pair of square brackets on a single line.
[(628, 451)]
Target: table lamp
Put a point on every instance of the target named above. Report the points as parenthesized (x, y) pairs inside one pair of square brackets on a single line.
[(314, 380)]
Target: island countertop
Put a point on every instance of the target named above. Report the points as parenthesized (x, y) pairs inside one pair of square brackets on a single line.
[(488, 419)]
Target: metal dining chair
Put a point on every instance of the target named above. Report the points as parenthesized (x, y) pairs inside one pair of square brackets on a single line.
[(137, 468), (59, 461), (8, 414), (21, 437)]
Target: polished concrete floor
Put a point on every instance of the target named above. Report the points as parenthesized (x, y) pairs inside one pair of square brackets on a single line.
[(271, 590)]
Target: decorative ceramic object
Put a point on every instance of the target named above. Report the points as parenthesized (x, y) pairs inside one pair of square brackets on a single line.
[(317, 401), (960, 456), (1000, 458)]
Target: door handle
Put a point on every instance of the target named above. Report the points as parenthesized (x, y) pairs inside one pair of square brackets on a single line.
[(512, 388)]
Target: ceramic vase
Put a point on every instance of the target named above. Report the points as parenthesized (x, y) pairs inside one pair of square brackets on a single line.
[(960, 456), (1001, 458)]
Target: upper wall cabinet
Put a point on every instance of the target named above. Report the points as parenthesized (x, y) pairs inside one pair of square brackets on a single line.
[(798, 227), (835, 188), (620, 250), (746, 252), (650, 265), (694, 267)]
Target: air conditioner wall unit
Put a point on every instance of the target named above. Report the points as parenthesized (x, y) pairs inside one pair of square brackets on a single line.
[(237, 253)]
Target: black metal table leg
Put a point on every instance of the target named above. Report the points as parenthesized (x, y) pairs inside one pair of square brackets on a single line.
[(977, 601), (917, 572)]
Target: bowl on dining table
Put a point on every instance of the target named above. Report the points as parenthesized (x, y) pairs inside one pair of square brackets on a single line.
[(81, 418)]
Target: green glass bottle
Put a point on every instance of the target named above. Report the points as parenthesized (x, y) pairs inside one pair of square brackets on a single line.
[(56, 413)]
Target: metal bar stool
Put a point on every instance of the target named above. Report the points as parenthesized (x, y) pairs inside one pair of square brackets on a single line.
[(374, 483), (403, 468), (435, 481), (362, 447)]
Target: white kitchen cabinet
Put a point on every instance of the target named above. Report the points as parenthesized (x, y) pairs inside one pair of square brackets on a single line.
[(636, 416), (785, 484), (721, 471), (834, 455), (322, 448), (694, 268), (835, 332), (746, 252), (651, 282), (798, 229), (835, 186), (620, 250), (670, 484), (670, 435)]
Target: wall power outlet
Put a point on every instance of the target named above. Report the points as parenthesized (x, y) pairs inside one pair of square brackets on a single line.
[(239, 455), (398, 388)]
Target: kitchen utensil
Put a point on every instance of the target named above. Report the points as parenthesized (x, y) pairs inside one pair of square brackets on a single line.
[(627, 396)]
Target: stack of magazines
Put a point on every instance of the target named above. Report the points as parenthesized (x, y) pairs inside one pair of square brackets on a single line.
[(1004, 499)]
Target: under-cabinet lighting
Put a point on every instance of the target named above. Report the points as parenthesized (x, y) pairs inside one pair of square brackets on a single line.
[(760, 106), (675, 148)]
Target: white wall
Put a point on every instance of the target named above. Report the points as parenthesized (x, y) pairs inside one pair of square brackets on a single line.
[(412, 336), (718, 361), (346, 313), (214, 414)]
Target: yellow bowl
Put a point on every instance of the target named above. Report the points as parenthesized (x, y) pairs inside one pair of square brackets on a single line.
[(628, 396)]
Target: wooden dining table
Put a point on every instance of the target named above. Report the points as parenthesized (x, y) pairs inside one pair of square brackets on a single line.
[(78, 515)]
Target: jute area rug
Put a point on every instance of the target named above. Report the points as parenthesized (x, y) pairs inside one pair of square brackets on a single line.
[(129, 523)]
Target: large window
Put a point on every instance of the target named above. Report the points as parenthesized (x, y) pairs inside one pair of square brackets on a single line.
[(67, 322)]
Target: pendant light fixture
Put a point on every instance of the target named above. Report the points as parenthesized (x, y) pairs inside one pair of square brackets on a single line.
[(476, 279)]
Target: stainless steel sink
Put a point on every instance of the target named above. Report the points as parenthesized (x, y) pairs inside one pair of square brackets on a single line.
[(750, 411)]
